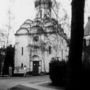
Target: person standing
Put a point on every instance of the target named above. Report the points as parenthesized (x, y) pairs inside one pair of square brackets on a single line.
[(25, 70), (10, 71)]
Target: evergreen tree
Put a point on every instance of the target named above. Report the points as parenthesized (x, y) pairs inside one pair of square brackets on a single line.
[(76, 43)]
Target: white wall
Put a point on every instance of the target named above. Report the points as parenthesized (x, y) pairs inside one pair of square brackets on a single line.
[(22, 41)]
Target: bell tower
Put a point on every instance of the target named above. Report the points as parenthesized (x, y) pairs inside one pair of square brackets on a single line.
[(43, 8)]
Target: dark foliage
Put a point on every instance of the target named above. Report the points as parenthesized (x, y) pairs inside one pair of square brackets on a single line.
[(9, 60), (58, 72), (86, 67), (76, 43), (2, 56)]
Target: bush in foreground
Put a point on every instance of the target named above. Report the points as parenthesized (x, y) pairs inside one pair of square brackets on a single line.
[(58, 72)]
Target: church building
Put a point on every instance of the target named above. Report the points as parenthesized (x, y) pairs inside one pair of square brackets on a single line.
[(38, 41)]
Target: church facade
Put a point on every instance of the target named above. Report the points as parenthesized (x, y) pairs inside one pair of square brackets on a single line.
[(35, 48)]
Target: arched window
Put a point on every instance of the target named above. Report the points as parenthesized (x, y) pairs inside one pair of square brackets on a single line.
[(22, 51), (50, 49)]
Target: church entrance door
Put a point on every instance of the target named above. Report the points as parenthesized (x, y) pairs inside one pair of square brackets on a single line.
[(35, 67)]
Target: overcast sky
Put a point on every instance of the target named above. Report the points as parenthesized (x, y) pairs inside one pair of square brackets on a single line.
[(20, 11), (24, 9)]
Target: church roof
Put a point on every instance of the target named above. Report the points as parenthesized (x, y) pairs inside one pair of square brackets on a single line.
[(22, 31), (38, 26), (36, 30), (42, 26), (24, 28)]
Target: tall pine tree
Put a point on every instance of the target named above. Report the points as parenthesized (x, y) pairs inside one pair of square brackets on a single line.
[(76, 43)]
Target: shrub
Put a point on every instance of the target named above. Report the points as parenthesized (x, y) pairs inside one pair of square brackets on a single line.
[(58, 72), (86, 69)]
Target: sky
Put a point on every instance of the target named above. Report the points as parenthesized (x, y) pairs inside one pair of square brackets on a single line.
[(24, 9)]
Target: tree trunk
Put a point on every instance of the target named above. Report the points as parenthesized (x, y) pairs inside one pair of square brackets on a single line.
[(75, 53)]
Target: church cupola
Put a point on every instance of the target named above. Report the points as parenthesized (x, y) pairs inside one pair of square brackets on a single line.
[(43, 7)]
